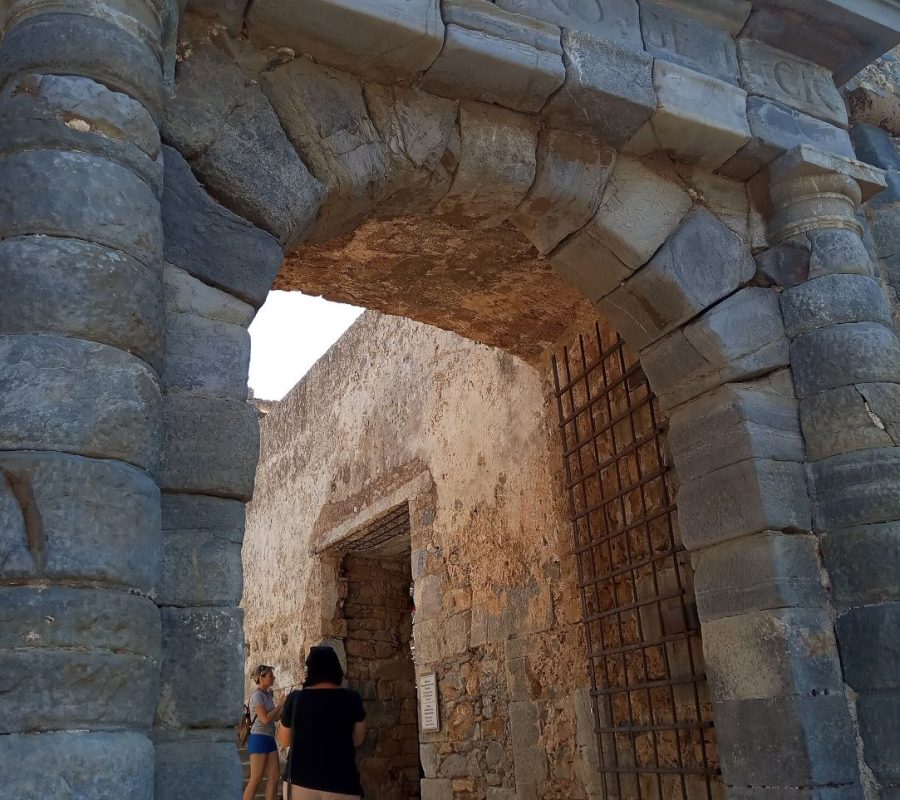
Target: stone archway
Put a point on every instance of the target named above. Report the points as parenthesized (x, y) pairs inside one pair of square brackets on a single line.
[(121, 377)]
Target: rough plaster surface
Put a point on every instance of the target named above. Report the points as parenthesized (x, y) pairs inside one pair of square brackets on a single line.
[(394, 405)]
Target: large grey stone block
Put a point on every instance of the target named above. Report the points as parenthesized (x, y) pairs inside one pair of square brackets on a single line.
[(863, 564), (608, 89), (702, 262), (205, 357), (757, 419), (207, 240), (71, 194), (832, 300), (497, 164), (699, 119), (740, 338), (857, 488), (837, 250), (422, 143), (90, 46), (222, 123), (775, 129), (851, 418), (741, 499), (79, 397), (572, 172), (210, 446), (198, 769), (497, 57), (870, 646), (388, 40), (68, 517), (786, 741), (845, 792), (185, 294), (772, 653), (840, 355), (201, 551), (610, 246), (99, 766), (324, 115), (615, 20), (878, 715), (785, 264), (66, 112), (799, 84), (201, 680), (874, 146), (672, 35), (83, 290), (770, 570)]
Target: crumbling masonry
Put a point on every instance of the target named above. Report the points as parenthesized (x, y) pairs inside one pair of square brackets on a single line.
[(685, 167)]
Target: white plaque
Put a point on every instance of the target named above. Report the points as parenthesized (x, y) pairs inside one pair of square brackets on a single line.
[(429, 718)]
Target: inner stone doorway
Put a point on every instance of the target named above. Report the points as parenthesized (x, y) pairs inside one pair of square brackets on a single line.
[(377, 573)]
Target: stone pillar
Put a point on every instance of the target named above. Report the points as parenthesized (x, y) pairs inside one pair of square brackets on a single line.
[(217, 271), (845, 359), (81, 350)]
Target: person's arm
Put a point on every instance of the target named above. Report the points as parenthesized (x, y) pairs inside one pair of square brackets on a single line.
[(269, 716), (359, 733)]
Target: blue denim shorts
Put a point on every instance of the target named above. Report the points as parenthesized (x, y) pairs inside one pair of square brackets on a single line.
[(260, 743)]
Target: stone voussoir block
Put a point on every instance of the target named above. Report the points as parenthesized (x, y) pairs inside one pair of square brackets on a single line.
[(89, 46), (700, 263), (615, 20), (201, 551), (83, 290), (572, 172), (102, 766), (208, 645), (741, 499), (737, 421), (220, 120), (699, 118), (838, 250), (832, 300), (325, 117), (497, 165), (66, 112), (740, 338), (776, 129), (878, 714), (387, 40), (840, 355), (609, 248), (64, 193), (848, 418), (95, 520), (863, 564), (495, 56), (792, 741), (772, 653), (769, 570), (210, 446), (870, 646), (857, 488), (875, 146), (795, 82), (210, 242), (608, 89), (187, 295), (78, 397)]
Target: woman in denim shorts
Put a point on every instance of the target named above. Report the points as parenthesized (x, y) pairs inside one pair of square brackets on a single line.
[(264, 712)]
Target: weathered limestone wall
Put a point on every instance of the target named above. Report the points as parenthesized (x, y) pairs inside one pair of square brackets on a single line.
[(396, 411)]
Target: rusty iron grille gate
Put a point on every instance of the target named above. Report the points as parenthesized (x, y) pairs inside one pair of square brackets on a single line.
[(652, 714)]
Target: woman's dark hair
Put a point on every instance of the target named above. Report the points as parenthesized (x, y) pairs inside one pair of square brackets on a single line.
[(323, 666)]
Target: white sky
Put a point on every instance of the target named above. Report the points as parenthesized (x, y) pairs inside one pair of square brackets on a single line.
[(290, 333)]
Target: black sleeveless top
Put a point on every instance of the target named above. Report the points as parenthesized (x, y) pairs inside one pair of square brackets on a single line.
[(322, 738)]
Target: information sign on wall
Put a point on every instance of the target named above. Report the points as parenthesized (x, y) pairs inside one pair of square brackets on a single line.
[(429, 718)]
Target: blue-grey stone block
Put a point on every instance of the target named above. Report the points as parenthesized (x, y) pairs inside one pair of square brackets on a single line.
[(879, 716), (832, 300), (198, 769), (858, 488), (869, 637), (874, 146), (863, 564)]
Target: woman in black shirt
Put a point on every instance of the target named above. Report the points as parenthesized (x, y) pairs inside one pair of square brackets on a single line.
[(323, 724)]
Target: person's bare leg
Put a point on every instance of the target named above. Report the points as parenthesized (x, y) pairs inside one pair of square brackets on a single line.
[(272, 776), (257, 768)]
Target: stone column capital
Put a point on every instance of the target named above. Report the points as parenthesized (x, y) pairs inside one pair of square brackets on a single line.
[(807, 189)]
